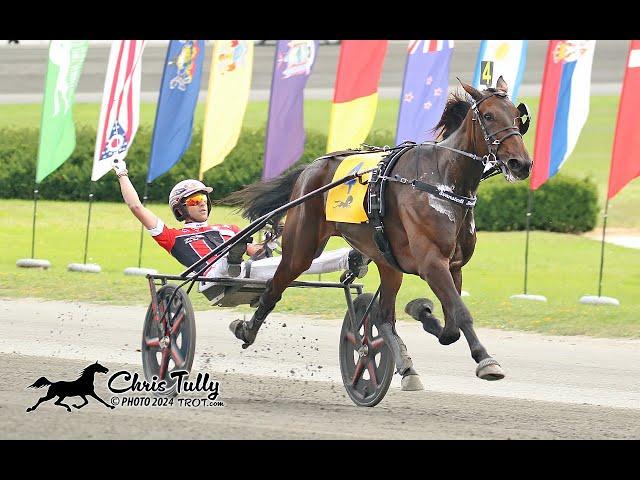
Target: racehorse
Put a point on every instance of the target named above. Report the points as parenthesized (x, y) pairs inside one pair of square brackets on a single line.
[(81, 387), (430, 236)]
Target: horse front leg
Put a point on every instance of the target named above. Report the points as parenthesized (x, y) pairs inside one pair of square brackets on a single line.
[(391, 279), (457, 316)]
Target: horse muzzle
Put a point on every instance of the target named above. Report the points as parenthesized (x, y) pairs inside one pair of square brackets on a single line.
[(518, 168)]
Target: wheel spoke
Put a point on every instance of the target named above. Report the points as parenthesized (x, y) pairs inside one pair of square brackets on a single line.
[(164, 363), (358, 372), (176, 355), (153, 342), (376, 344), (177, 323), (371, 366), (350, 338)]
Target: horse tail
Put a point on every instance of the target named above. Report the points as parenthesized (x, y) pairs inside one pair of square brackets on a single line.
[(39, 383), (260, 198)]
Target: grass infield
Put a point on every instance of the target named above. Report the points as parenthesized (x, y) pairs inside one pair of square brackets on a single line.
[(562, 267)]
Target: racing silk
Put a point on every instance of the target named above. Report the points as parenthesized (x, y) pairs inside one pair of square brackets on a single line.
[(192, 242)]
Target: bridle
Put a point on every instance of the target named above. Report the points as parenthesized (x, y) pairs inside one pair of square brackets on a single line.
[(493, 142), (496, 165)]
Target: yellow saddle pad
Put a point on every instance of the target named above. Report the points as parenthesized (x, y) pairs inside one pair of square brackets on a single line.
[(345, 202)]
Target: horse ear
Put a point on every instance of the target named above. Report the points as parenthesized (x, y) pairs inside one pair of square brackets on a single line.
[(96, 361), (475, 94), (501, 84)]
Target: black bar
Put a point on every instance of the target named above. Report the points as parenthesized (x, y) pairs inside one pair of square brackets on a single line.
[(604, 229), (261, 283), (256, 225)]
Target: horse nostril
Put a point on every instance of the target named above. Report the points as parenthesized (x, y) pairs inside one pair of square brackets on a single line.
[(514, 164)]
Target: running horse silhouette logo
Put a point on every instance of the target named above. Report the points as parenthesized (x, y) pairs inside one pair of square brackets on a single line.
[(81, 387)]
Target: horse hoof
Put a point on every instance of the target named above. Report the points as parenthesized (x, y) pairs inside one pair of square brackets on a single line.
[(411, 383), (489, 369), (447, 338)]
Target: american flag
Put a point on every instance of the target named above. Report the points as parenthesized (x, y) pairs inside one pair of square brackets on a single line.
[(424, 89), (119, 115)]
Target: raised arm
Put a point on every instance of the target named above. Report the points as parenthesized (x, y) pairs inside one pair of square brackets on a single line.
[(130, 196)]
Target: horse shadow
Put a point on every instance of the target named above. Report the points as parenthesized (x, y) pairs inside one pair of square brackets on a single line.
[(81, 387)]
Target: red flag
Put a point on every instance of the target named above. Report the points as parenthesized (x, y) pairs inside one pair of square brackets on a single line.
[(625, 161)]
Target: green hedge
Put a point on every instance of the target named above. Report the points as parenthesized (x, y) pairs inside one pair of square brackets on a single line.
[(562, 204)]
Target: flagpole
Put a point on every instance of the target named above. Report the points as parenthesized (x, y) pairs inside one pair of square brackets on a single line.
[(144, 203), (525, 295), (33, 262), (86, 237), (33, 225), (526, 248), (84, 266), (604, 229)]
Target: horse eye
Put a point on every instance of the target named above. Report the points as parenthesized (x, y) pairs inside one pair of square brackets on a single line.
[(488, 116)]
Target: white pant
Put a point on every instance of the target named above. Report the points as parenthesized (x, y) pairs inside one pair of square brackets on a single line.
[(333, 261)]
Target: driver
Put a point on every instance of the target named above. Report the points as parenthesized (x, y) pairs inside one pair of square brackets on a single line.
[(190, 203)]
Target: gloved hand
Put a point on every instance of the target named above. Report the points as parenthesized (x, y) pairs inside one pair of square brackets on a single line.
[(120, 167)]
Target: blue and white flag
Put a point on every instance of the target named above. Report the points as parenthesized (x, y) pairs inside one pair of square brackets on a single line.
[(424, 89), (501, 57), (179, 91)]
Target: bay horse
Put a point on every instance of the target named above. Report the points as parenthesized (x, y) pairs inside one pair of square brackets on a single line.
[(430, 236)]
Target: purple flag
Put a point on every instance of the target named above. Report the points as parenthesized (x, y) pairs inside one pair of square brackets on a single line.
[(285, 126), (424, 90)]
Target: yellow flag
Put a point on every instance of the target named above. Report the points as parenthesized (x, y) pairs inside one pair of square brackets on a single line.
[(227, 97)]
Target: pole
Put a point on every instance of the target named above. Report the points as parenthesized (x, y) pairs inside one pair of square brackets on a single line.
[(33, 227), (604, 229), (526, 248), (86, 237), (144, 203)]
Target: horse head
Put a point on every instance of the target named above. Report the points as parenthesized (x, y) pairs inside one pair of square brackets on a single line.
[(498, 127), (97, 368)]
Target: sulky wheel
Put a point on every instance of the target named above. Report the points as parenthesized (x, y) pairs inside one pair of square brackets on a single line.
[(163, 353), (366, 374)]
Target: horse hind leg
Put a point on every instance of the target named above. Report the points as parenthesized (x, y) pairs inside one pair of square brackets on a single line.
[(48, 396), (59, 402), (391, 280), (308, 235)]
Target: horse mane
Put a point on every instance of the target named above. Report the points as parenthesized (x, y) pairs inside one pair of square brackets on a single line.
[(454, 113), (87, 370)]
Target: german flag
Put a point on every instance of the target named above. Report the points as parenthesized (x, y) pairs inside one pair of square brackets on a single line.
[(355, 98)]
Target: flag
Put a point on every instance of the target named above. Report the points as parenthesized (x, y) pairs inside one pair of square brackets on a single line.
[(57, 129), (501, 57), (229, 84), (424, 89), (120, 111), (625, 161), (355, 98), (177, 101), (564, 105), (285, 127)]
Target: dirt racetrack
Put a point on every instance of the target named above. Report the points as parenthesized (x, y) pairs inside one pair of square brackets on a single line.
[(287, 386)]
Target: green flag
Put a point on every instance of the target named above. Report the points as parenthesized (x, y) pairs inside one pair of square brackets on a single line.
[(57, 130)]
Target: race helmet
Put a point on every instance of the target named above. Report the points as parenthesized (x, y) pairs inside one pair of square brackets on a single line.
[(182, 190)]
